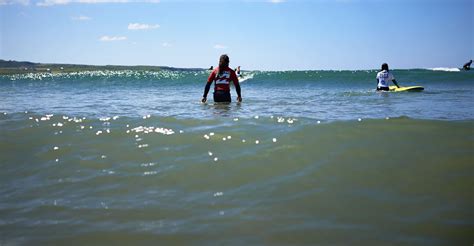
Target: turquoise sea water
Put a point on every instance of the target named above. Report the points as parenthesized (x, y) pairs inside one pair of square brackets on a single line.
[(309, 157)]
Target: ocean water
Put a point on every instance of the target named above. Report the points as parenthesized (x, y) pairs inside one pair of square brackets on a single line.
[(308, 157)]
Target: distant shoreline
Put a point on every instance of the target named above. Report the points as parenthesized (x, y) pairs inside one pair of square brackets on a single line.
[(22, 67), (11, 67)]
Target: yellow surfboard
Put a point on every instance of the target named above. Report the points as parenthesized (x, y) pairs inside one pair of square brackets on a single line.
[(408, 88)]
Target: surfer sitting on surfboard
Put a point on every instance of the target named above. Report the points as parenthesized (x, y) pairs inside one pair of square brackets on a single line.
[(221, 76), (384, 77)]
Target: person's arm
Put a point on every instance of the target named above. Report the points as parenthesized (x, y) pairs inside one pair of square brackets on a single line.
[(206, 90), (237, 86), (208, 86), (395, 82)]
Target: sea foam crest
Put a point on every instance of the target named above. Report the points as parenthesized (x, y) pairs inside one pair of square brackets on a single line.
[(445, 69)]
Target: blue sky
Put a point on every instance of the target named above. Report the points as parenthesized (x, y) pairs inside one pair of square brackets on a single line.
[(265, 35)]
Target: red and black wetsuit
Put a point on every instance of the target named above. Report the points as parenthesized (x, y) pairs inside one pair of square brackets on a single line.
[(222, 81)]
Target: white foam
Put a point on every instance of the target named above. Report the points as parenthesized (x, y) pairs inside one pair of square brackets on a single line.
[(445, 69), (274, 140), (150, 173)]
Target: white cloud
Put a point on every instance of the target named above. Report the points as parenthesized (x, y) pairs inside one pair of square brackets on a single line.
[(45, 3), (276, 1), (81, 18), (110, 39), (138, 26), (166, 44), (8, 2), (220, 47)]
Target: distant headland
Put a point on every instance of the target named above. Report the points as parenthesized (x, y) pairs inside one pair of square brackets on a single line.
[(22, 67)]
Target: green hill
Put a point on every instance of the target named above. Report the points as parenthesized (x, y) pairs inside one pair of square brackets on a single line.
[(21, 67)]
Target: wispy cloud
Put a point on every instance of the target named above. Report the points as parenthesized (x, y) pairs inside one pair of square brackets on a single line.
[(46, 3), (276, 1), (113, 38), (8, 2), (166, 44), (220, 47), (138, 26), (81, 18)]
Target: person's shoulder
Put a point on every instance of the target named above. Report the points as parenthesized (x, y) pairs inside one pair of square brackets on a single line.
[(230, 70)]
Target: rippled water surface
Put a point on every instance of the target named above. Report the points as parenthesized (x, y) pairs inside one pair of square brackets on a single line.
[(313, 157)]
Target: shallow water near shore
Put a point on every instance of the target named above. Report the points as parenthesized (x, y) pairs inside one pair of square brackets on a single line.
[(136, 159)]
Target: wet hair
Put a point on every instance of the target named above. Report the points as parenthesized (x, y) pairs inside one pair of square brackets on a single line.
[(223, 63), (384, 67)]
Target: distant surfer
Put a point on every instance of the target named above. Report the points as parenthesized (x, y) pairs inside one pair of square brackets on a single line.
[(237, 70), (467, 66), (384, 77), (211, 68), (222, 76)]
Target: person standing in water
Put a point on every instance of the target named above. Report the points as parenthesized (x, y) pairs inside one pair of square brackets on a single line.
[(384, 77), (222, 76), (237, 70), (467, 66)]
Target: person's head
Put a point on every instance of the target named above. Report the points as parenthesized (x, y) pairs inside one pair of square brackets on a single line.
[(384, 67), (223, 62)]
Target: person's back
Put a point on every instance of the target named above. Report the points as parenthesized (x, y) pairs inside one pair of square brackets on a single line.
[(222, 76), (384, 77)]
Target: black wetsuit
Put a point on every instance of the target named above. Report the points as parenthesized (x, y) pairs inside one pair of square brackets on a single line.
[(222, 96), (467, 66)]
